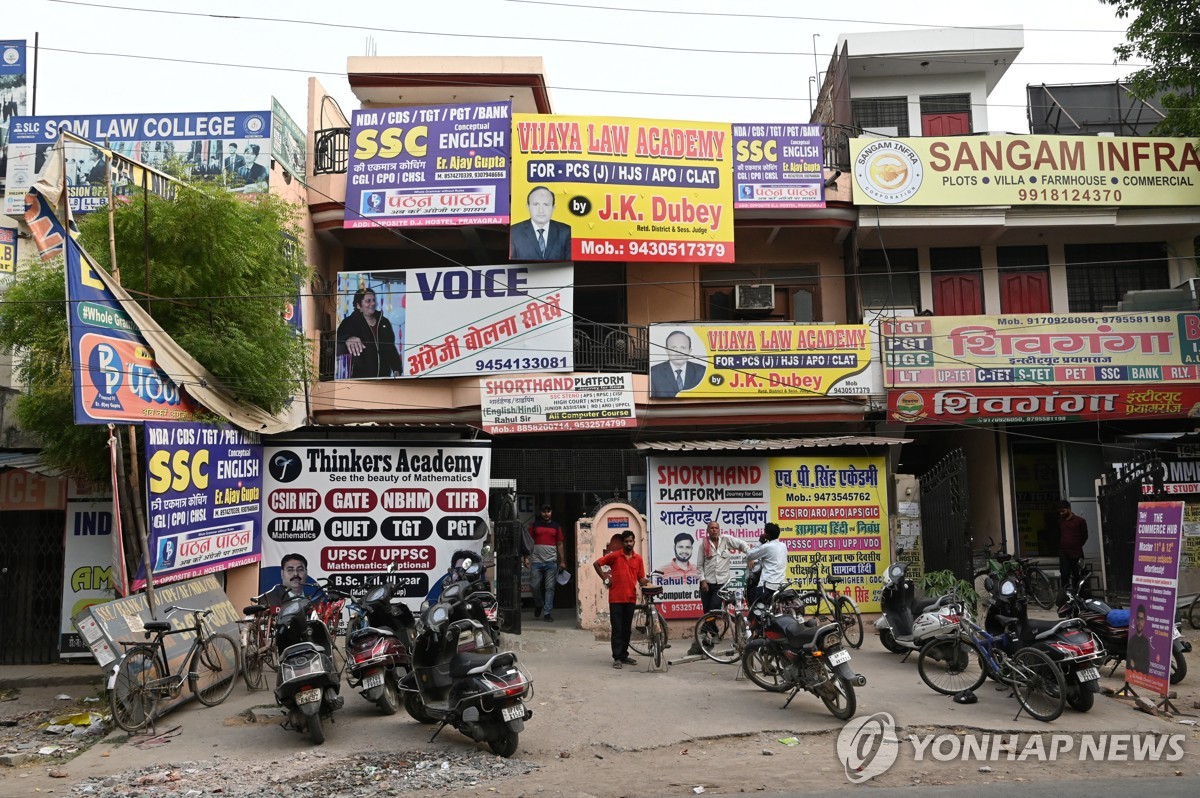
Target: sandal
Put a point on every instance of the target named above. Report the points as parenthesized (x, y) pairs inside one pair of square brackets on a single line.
[(617, 664)]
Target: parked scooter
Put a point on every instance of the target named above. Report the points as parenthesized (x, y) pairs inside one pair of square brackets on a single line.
[(802, 655), (378, 641), (478, 601), (908, 622), (480, 695), (1111, 627), (307, 685)]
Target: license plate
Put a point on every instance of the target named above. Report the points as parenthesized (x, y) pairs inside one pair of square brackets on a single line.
[(838, 657), (515, 712), (1087, 674), (372, 680), (308, 696)]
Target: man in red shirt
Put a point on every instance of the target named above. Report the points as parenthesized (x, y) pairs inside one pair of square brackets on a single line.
[(627, 571), (544, 562), (1072, 534)]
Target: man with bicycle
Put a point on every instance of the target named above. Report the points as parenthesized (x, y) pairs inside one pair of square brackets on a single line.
[(712, 564), (626, 572), (773, 555)]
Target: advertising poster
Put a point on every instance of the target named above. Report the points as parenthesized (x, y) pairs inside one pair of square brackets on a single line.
[(1025, 170), (532, 403), (226, 147), (429, 166), (455, 322), (204, 500), (617, 189), (778, 166), (8, 251), (352, 509), (13, 93), (287, 141), (738, 361), (1156, 553), (87, 569), (1029, 403), (116, 377), (1159, 348), (829, 508)]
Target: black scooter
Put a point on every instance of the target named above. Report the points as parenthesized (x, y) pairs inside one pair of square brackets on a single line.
[(307, 685), (480, 695)]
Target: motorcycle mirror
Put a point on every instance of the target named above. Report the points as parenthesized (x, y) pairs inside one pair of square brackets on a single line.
[(989, 584)]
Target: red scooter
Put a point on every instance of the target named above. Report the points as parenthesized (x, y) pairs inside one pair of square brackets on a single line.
[(378, 642)]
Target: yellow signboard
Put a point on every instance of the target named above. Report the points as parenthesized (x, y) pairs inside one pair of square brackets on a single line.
[(618, 189), (1025, 170)]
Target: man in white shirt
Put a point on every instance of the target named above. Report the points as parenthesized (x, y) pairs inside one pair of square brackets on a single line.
[(773, 555), (713, 554)]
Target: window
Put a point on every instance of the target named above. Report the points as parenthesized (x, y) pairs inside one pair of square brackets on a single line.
[(882, 115), (797, 294), (957, 281), (1024, 279), (1099, 275), (889, 278)]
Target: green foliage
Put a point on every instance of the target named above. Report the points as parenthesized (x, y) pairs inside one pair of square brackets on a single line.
[(1163, 33), (939, 583)]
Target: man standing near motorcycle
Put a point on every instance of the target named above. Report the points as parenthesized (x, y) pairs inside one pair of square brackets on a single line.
[(1072, 534), (547, 559), (627, 571), (712, 564), (773, 555)]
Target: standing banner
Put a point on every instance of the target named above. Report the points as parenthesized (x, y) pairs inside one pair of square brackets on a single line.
[(566, 403), (287, 142), (778, 166), (617, 189), (429, 166), (8, 251), (87, 569), (455, 322), (1152, 599), (231, 148), (829, 508), (353, 509), (204, 500), (13, 93), (737, 361)]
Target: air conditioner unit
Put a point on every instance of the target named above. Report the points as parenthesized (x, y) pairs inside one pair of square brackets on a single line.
[(754, 297)]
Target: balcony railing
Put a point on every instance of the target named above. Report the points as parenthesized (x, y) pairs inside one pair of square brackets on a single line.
[(598, 347)]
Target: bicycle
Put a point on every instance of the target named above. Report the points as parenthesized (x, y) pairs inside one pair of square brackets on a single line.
[(833, 603), (258, 647), (144, 675), (648, 635), (945, 664), (1027, 573), (1193, 612), (722, 634)]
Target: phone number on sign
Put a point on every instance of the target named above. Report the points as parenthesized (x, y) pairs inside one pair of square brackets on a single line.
[(654, 249), (521, 363), (1069, 195)]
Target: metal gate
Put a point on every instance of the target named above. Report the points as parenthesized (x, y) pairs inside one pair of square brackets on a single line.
[(945, 522), (1141, 481), (506, 534), (31, 577)]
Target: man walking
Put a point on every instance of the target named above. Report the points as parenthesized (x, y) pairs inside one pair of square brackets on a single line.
[(712, 564), (626, 572), (773, 555), (1072, 534), (547, 558)]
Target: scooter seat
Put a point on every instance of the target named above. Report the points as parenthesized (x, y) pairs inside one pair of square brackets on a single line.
[(463, 663), (920, 605), (1118, 618), (376, 631)]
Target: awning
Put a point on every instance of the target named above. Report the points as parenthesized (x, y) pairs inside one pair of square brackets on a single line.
[(29, 461), (757, 444)]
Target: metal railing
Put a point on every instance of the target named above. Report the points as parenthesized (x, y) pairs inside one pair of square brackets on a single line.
[(331, 151)]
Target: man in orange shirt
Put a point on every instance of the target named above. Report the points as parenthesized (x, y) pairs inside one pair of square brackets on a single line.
[(626, 572)]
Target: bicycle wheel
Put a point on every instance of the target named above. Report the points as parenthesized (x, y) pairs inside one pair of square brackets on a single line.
[(717, 637), (658, 642), (639, 633), (253, 666), (1039, 588), (850, 620), (215, 665), (1038, 684), (763, 666), (1193, 612), (132, 699), (950, 665)]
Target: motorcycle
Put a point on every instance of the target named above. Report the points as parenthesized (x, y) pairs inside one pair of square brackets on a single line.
[(481, 695), (378, 641), (898, 631), (1111, 627), (797, 655), (478, 601), (307, 684), (1068, 643)]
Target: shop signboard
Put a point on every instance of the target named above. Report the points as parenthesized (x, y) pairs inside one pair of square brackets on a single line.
[(1156, 553), (1029, 403), (556, 403), (778, 166)]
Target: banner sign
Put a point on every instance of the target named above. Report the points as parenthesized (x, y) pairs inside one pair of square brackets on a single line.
[(829, 508), (617, 189), (87, 569), (226, 147), (535, 403), (1069, 348), (288, 143), (1041, 403), (8, 250), (22, 490), (740, 361), (455, 322), (429, 166), (778, 166), (1152, 599), (1025, 170), (204, 500), (352, 510), (116, 377), (13, 92)]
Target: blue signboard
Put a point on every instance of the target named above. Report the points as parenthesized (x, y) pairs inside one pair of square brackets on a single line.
[(13, 92)]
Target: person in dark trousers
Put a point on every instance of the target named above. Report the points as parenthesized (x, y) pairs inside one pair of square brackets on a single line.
[(712, 562), (547, 558), (627, 571), (1137, 657), (1072, 534)]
